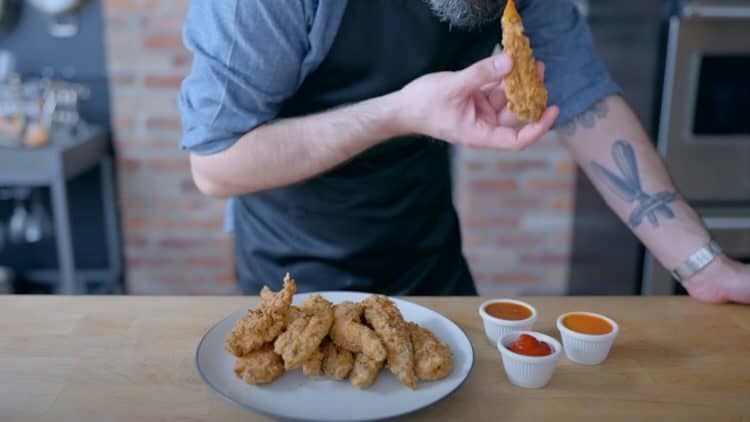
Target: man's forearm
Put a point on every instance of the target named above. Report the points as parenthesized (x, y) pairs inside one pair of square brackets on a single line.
[(290, 150), (614, 151)]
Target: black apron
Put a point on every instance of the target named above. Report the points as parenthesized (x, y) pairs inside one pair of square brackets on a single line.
[(383, 222)]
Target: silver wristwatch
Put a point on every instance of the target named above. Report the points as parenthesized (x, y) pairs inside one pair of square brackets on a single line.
[(696, 262)]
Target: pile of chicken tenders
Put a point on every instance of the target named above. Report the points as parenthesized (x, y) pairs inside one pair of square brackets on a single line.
[(344, 341)]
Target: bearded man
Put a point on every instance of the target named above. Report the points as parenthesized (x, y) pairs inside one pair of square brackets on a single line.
[(329, 123)]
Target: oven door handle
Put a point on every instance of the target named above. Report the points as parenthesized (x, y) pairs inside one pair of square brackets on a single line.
[(728, 12), (727, 223)]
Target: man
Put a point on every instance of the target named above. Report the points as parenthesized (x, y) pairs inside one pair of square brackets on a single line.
[(322, 118)]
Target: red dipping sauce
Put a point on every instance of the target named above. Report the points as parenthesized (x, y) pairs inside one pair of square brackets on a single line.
[(529, 346)]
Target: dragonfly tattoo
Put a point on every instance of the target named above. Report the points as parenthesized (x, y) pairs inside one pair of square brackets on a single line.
[(628, 187)]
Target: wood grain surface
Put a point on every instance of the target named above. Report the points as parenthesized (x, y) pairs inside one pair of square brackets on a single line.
[(131, 359)]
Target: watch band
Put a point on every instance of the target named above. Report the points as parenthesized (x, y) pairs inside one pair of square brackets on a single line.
[(696, 262)]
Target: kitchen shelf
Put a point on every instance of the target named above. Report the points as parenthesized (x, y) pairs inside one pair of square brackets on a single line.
[(54, 166)]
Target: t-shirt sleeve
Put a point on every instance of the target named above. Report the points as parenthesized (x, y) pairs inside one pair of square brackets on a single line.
[(560, 36), (247, 57)]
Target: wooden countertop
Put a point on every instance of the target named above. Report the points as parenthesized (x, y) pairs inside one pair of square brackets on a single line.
[(131, 358)]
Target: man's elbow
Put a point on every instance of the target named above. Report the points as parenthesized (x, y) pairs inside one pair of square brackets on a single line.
[(206, 181)]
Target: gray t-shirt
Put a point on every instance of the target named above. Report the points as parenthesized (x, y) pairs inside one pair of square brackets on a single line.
[(251, 56)]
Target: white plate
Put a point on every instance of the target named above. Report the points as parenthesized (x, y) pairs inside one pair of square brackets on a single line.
[(296, 397)]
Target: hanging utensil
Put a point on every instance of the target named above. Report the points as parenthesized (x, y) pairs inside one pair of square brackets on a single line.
[(35, 229), (63, 16), (9, 12), (3, 236), (17, 222)]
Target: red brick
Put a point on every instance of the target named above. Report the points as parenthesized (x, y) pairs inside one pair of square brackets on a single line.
[(135, 241), (476, 165), (226, 278), (566, 204), (122, 79), (473, 239), (562, 240), (140, 145), (128, 164), (163, 42), (519, 239), (182, 277), (130, 5), (161, 22), (476, 205), (480, 277), (550, 185), (543, 258), (206, 261), (566, 167), (163, 123), (182, 59), (148, 262), (493, 185), (130, 223), (515, 202), (226, 243), (206, 224), (517, 166), (124, 123), (490, 223), (169, 164), (188, 186), (163, 204), (116, 21), (163, 81), (183, 243), (515, 277)]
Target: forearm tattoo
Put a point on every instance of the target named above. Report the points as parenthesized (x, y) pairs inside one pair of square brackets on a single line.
[(628, 187), (587, 119)]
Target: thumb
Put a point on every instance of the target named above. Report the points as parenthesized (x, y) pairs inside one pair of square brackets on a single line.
[(483, 72)]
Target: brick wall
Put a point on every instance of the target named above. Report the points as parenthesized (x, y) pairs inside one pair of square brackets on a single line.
[(516, 215), (172, 234), (515, 208)]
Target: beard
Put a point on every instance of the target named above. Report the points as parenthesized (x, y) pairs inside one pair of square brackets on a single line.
[(466, 13)]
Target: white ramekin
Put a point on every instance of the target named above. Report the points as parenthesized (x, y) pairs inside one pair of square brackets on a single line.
[(587, 349), (495, 328), (528, 371)]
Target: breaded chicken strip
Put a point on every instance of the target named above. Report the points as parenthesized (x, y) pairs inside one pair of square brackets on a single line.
[(294, 313), (524, 88), (264, 324), (386, 320), (348, 331), (365, 371), (337, 362), (432, 357), (260, 366), (313, 365), (303, 336)]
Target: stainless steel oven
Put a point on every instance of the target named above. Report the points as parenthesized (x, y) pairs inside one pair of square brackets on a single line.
[(704, 127)]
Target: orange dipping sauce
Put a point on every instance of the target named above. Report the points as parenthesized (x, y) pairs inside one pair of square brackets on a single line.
[(529, 346), (587, 324), (508, 311)]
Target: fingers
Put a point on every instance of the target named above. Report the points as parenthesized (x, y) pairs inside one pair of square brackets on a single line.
[(506, 138), (507, 118), (497, 98), (540, 69), (485, 109), (483, 72), (533, 131)]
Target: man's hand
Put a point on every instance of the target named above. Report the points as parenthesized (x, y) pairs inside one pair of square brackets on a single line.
[(466, 107), (724, 280), (469, 107)]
